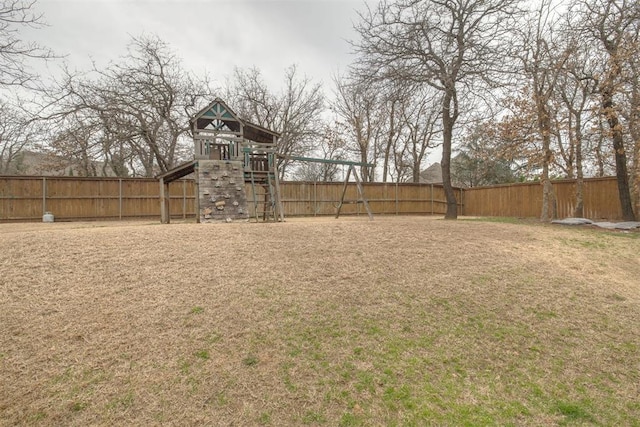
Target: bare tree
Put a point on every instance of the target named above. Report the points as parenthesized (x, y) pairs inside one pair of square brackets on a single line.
[(542, 63), (420, 117), (389, 124), (332, 147), (136, 111), (359, 108), (75, 145), (18, 132), (295, 112), (633, 118), (447, 44), (89, 145), (15, 52), (576, 88), (392, 102), (615, 25)]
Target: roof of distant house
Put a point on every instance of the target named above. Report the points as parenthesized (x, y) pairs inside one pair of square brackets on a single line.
[(432, 174)]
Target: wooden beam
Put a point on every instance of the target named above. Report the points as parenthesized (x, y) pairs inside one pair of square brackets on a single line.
[(178, 172), (329, 161), (209, 135)]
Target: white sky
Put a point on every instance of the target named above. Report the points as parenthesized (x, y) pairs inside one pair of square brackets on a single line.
[(214, 35)]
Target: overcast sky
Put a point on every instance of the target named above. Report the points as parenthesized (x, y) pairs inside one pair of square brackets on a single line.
[(208, 35), (213, 35)]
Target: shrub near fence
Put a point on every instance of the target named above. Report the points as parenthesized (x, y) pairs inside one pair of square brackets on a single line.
[(600, 197), (27, 198)]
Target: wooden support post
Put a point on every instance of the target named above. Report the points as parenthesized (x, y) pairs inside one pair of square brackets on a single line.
[(254, 195), (196, 172), (165, 197), (267, 201), (165, 216), (344, 190), (432, 212), (278, 198), (184, 199), (44, 195), (361, 194), (397, 204)]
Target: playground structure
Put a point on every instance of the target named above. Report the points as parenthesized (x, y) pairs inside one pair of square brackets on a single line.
[(231, 152)]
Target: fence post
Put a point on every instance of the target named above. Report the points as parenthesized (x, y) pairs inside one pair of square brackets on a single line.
[(184, 199), (44, 195), (397, 207), (357, 208), (120, 198), (315, 198), (432, 199)]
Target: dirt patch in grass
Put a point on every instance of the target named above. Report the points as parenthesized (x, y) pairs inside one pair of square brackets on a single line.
[(399, 321)]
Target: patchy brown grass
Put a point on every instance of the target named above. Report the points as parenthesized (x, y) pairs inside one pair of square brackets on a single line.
[(399, 321)]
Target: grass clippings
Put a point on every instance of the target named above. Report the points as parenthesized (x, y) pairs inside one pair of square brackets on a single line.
[(399, 321)]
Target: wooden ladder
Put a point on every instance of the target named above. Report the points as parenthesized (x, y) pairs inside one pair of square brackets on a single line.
[(268, 196)]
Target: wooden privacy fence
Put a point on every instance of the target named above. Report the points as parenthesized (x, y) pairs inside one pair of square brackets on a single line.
[(71, 198), (600, 197), (27, 198), (321, 198)]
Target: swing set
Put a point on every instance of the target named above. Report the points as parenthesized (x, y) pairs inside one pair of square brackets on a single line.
[(351, 170)]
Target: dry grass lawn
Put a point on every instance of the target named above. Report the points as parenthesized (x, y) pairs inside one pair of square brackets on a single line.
[(399, 321)]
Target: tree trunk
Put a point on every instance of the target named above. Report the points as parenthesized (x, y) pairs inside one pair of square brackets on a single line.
[(544, 128), (636, 175), (389, 142), (364, 170), (620, 154), (634, 130), (579, 209), (549, 210), (447, 137), (635, 166), (600, 156)]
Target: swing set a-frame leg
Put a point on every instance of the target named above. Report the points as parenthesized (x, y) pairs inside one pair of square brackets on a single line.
[(344, 190), (360, 192)]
